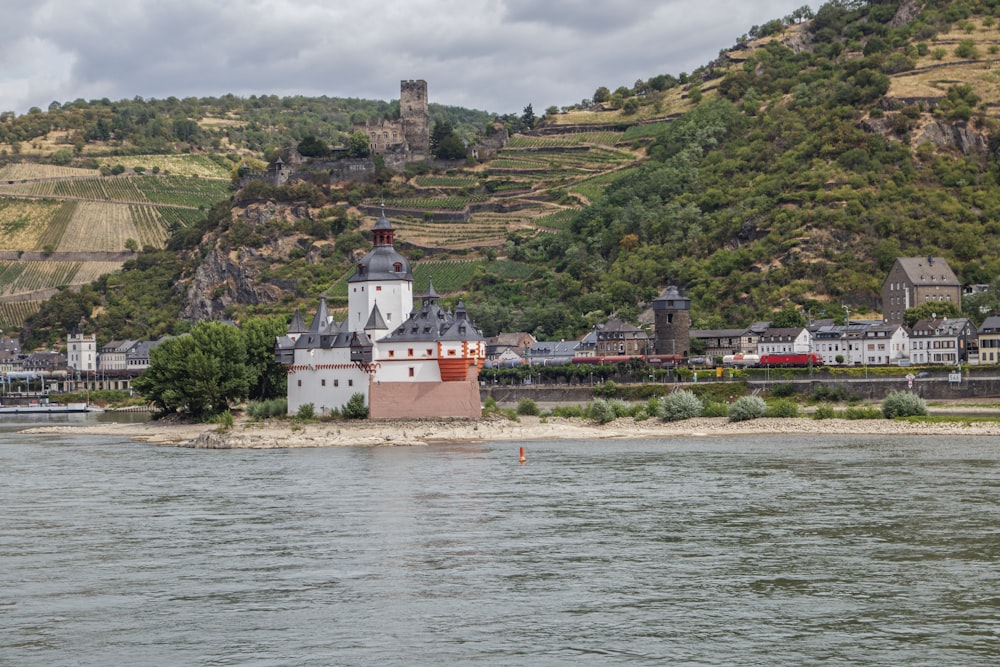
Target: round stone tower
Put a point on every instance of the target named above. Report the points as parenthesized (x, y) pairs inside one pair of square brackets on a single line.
[(672, 319)]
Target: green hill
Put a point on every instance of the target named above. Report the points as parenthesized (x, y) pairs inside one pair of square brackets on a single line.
[(792, 171)]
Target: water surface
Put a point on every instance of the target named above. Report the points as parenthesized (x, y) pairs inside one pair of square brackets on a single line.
[(703, 551)]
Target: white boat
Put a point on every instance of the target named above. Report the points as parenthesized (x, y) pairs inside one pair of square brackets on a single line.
[(47, 408)]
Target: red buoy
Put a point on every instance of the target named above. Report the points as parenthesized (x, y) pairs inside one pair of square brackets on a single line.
[(522, 459)]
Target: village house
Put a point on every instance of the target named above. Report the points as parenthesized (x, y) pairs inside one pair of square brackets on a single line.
[(941, 341), (913, 281), (784, 340), (989, 340)]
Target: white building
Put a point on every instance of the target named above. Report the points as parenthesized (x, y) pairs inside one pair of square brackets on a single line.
[(941, 341), (406, 363), (784, 340), (81, 352)]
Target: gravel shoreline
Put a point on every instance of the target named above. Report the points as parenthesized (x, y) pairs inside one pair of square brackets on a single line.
[(284, 434)]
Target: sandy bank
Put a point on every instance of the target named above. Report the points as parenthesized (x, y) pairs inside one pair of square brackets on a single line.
[(282, 434)]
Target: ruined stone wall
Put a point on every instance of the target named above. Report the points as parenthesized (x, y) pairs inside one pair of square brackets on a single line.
[(416, 119)]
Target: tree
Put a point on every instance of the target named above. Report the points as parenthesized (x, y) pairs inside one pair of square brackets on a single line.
[(357, 145), (268, 378), (312, 147), (442, 130), (528, 117), (602, 94), (788, 317), (200, 373), (930, 310)]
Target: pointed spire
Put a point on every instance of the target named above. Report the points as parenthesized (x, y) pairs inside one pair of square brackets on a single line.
[(322, 317), (376, 321), (430, 296), (383, 232), (297, 325)]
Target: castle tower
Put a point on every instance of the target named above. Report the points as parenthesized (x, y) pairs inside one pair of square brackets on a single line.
[(415, 118), (672, 319), (383, 278)]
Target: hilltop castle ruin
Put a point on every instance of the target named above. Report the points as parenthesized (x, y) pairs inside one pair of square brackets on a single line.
[(405, 140)]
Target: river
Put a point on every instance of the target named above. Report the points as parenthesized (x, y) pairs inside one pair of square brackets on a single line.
[(687, 551)]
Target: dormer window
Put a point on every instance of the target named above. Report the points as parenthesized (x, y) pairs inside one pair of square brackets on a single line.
[(361, 269), (398, 267)]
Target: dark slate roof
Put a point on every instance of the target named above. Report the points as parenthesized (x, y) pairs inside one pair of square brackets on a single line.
[(321, 320), (297, 325), (434, 323), (928, 271), (375, 320), (381, 261)]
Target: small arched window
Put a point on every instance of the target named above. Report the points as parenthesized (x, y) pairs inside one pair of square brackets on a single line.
[(397, 267)]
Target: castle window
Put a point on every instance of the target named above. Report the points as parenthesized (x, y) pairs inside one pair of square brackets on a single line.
[(392, 353), (430, 352), (452, 353), (300, 383), (336, 383), (397, 267), (350, 383), (378, 288), (322, 382), (411, 371), (409, 352)]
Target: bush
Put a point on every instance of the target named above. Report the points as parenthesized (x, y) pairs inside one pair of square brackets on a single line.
[(863, 412), (355, 407), (747, 407), (621, 408), (224, 421), (783, 408), (903, 404), (824, 412), (679, 405), (783, 390), (526, 406), (568, 411), (715, 409), (601, 411), (306, 411), (260, 410)]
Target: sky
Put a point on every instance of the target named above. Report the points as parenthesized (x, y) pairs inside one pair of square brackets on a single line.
[(492, 55)]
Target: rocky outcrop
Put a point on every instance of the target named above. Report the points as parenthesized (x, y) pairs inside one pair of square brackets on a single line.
[(231, 277), (958, 135), (223, 280)]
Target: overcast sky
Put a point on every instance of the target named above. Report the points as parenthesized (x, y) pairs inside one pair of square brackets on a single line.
[(493, 55)]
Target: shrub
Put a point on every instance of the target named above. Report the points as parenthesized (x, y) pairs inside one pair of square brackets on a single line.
[(306, 411), (903, 404), (259, 410), (824, 412), (783, 390), (608, 389), (567, 411), (526, 406), (621, 408), (863, 412), (224, 421), (601, 411), (679, 405), (715, 409), (747, 407), (783, 408), (355, 407)]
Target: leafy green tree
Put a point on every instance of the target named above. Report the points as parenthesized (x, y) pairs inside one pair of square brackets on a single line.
[(201, 373), (528, 117), (930, 310), (788, 317), (357, 145), (268, 378), (602, 94), (312, 147)]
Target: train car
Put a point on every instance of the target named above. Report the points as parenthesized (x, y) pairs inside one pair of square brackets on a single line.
[(791, 359), (741, 360), (665, 360), (604, 361)]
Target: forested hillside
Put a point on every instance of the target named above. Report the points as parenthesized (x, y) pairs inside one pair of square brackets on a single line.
[(791, 172)]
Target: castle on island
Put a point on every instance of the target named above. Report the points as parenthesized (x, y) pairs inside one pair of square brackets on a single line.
[(406, 362)]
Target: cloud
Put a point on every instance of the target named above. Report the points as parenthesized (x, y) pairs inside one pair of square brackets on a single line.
[(496, 55)]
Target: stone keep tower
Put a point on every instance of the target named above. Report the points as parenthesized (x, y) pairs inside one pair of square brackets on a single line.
[(415, 118), (672, 319)]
